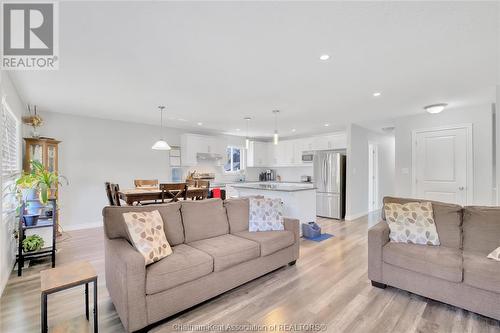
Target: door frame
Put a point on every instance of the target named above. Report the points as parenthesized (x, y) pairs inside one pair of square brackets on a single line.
[(373, 171), (469, 157)]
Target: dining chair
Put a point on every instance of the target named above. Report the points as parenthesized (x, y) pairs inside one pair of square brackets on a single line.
[(191, 182), (115, 188), (205, 185), (109, 194), (146, 182), (173, 192)]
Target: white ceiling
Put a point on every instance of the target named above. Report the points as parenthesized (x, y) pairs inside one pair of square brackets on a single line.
[(217, 62)]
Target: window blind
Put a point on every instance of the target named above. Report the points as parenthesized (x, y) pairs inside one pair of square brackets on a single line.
[(10, 143)]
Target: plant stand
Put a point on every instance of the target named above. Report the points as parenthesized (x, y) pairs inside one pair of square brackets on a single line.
[(43, 222)]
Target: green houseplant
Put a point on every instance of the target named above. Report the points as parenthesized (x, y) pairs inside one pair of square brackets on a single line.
[(32, 243), (38, 181)]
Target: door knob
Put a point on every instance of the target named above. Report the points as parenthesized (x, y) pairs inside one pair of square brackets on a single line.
[(461, 188)]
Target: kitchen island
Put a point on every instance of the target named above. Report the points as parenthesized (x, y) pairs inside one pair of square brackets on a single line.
[(299, 199)]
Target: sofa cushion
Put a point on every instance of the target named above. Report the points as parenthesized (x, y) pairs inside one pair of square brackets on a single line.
[(114, 224), (481, 272), (495, 254), (266, 214), (145, 229), (481, 229), (237, 214), (183, 265), (228, 250), (437, 261), (412, 223), (204, 219), (270, 241), (448, 219)]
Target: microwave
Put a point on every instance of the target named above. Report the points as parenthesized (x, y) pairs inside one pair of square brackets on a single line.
[(307, 157)]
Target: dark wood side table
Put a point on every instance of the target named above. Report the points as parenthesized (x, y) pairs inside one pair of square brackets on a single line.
[(65, 277)]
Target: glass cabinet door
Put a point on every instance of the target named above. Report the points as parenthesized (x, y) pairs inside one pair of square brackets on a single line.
[(51, 158), (36, 152)]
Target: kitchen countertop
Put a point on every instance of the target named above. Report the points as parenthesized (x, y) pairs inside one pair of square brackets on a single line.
[(274, 187)]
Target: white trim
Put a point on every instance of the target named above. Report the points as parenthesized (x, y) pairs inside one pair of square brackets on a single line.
[(353, 217), (89, 225), (469, 157), (373, 171)]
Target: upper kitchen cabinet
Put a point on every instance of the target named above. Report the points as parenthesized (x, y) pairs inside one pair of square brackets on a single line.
[(331, 141), (258, 154), (194, 144)]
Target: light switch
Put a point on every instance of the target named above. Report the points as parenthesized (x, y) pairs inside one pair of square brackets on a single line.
[(405, 171)]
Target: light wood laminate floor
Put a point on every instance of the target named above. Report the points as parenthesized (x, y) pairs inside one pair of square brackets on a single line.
[(328, 285)]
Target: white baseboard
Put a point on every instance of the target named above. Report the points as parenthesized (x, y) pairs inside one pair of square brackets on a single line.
[(355, 216), (79, 226)]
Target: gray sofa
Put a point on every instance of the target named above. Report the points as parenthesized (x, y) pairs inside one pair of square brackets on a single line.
[(457, 272), (213, 252)]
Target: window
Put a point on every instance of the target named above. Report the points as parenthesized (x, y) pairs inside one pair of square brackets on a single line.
[(9, 135), (10, 144), (234, 158)]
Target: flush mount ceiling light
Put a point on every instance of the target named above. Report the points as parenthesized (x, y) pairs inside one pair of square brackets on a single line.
[(199, 123), (161, 144), (247, 139), (294, 130), (435, 108), (324, 57), (276, 136), (376, 94), (327, 124)]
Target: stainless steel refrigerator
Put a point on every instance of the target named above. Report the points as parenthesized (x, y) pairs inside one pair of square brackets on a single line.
[(329, 179)]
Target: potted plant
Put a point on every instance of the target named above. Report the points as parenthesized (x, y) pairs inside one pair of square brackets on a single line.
[(32, 243), (36, 186)]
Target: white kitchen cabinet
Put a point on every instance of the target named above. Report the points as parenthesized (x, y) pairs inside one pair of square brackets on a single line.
[(258, 154), (332, 141), (192, 144)]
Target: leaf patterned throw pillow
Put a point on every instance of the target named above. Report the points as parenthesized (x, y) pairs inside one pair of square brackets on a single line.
[(146, 232), (265, 214), (495, 255), (412, 223)]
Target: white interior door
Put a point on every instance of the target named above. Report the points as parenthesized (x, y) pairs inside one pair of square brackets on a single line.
[(442, 165)]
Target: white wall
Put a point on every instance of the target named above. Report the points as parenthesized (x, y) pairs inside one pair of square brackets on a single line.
[(479, 116), (8, 223), (358, 140)]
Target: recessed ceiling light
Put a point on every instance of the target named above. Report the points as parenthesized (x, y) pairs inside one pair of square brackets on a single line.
[(324, 57), (293, 129), (327, 124), (377, 94), (435, 108), (199, 123)]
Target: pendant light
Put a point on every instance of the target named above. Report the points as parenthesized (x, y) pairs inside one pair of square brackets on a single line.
[(276, 136), (161, 144), (247, 139)]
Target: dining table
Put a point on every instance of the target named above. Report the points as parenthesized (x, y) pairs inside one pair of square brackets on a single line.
[(136, 195)]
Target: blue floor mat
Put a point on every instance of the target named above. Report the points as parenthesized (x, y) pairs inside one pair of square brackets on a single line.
[(321, 237)]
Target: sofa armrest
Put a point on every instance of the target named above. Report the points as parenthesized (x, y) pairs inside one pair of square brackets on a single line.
[(378, 236), (126, 282), (293, 225)]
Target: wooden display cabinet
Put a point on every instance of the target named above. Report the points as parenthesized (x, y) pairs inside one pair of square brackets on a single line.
[(45, 151)]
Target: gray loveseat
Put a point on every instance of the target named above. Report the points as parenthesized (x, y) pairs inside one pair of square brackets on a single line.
[(213, 252), (457, 272)]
